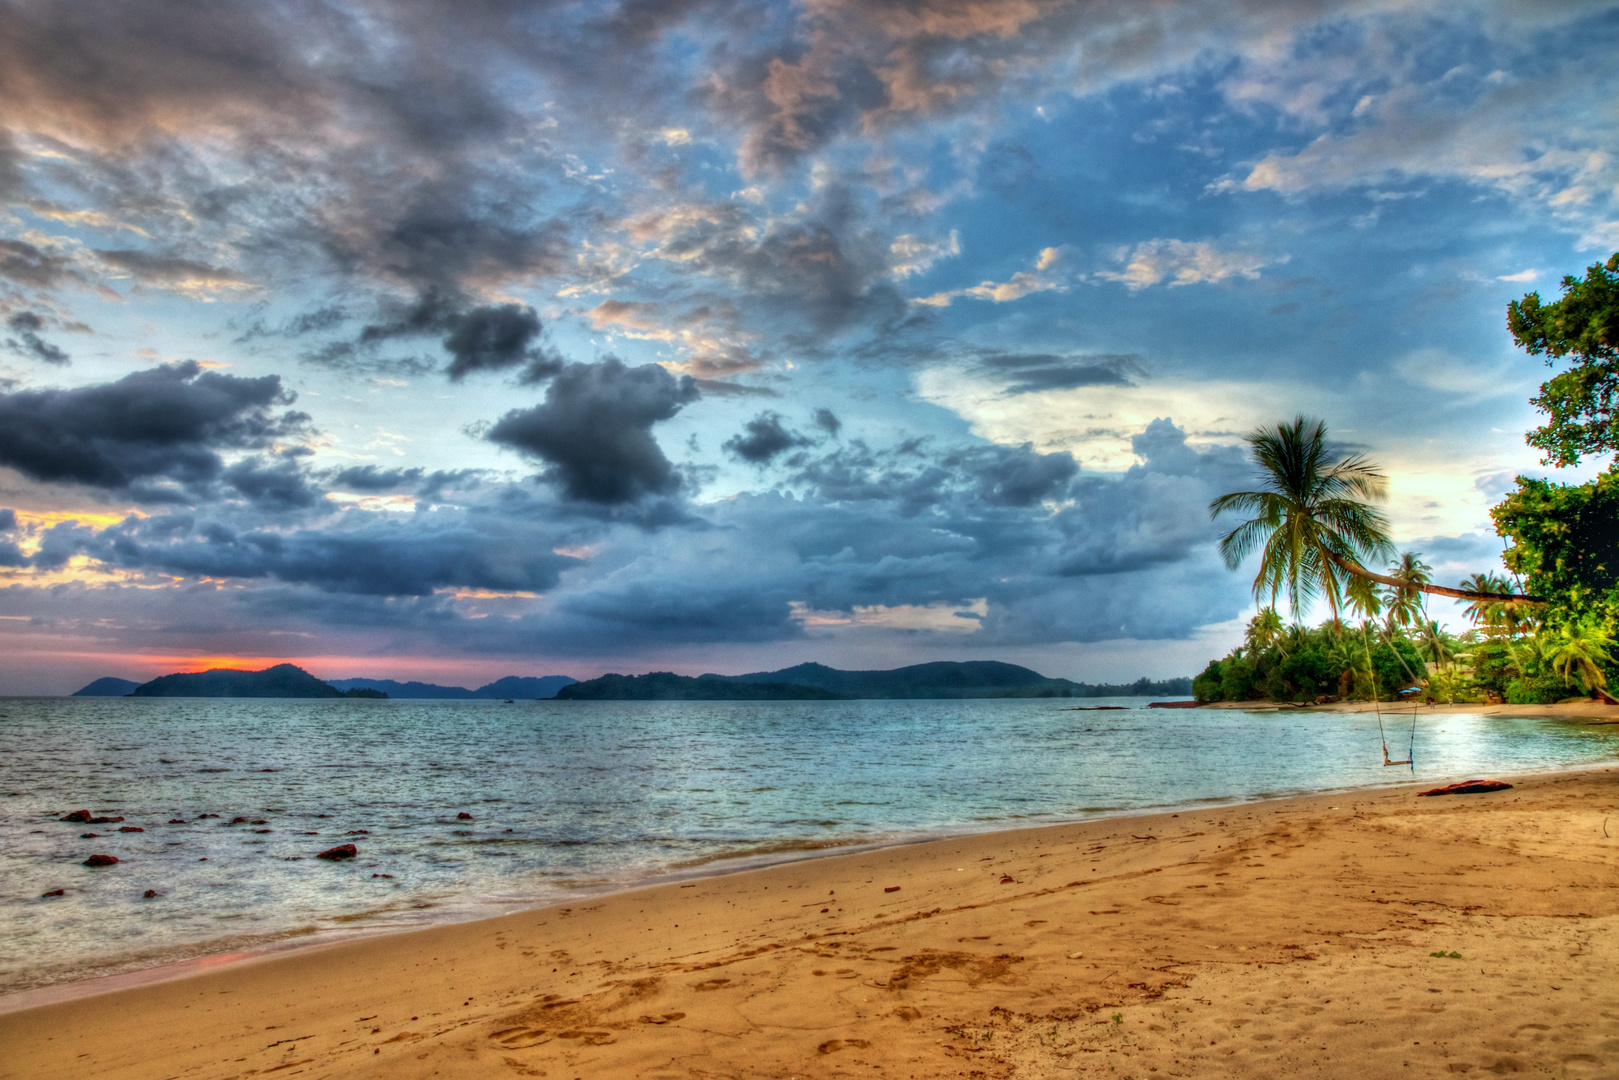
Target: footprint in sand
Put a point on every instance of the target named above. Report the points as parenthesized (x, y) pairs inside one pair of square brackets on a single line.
[(519, 1037), (594, 1038), (666, 1018), (832, 1046)]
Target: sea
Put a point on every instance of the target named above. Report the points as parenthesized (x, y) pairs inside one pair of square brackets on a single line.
[(466, 809)]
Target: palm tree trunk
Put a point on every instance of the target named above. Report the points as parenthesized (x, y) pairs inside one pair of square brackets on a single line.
[(1436, 590)]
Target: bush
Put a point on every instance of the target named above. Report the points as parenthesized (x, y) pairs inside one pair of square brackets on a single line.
[(1238, 681), (1206, 687), (1544, 689)]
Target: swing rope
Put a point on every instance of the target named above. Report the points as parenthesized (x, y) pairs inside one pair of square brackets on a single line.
[(1377, 703)]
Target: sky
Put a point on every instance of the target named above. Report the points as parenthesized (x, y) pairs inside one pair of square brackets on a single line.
[(451, 339)]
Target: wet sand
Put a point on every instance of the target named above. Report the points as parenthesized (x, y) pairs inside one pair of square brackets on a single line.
[(1295, 938)]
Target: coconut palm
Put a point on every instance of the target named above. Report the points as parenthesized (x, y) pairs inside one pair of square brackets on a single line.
[(1264, 630), (1313, 523), (1405, 602), (1435, 644), (1578, 650)]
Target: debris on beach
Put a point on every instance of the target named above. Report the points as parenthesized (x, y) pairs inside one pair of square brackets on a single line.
[(1468, 787)]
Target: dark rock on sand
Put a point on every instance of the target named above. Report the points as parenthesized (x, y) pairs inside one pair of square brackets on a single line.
[(1469, 787), (101, 860), (149, 894), (89, 836), (130, 828), (341, 851), (53, 892)]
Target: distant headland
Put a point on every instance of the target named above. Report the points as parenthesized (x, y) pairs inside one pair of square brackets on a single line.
[(805, 682), (944, 679), (291, 681)]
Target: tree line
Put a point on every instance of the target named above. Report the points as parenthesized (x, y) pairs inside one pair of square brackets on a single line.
[(1545, 634)]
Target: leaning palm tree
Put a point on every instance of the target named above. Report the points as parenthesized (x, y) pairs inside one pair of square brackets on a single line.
[(1313, 522)]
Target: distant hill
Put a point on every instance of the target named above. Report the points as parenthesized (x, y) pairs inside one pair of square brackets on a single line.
[(664, 686), (525, 688), (280, 681), (944, 679), (513, 687), (107, 687)]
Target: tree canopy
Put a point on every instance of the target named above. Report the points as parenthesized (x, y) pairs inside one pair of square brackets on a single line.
[(1578, 402)]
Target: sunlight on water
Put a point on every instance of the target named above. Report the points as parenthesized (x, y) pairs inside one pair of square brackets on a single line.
[(568, 797)]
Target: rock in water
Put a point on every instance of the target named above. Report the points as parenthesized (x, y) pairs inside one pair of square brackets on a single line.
[(341, 851), (463, 816), (77, 815), (101, 860)]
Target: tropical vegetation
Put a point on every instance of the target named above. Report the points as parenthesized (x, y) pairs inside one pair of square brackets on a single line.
[(1544, 635)]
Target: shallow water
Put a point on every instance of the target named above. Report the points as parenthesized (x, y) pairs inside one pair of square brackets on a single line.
[(572, 797)]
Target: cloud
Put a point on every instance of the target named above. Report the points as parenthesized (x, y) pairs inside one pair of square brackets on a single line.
[(153, 434), (1027, 373), (1183, 263), (763, 438), (195, 279), (1021, 284), (272, 486), (28, 342), (490, 337), (915, 256), (33, 266), (369, 478), (827, 421), (594, 430), (361, 555)]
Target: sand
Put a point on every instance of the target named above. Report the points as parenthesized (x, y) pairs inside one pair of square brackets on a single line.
[(1299, 938)]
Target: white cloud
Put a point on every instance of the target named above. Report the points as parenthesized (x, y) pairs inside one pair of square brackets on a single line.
[(1522, 275), (913, 255), (1182, 262), (1021, 284)]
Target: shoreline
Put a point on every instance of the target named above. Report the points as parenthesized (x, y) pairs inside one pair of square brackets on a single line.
[(224, 952), (739, 932), (1581, 710), (179, 961), (184, 959)]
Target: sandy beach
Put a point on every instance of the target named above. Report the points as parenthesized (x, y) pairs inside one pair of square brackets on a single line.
[(1363, 934)]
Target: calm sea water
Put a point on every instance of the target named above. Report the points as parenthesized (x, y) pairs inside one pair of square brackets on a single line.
[(573, 797)]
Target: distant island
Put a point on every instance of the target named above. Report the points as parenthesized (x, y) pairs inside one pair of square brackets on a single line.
[(291, 681), (107, 687), (805, 682), (512, 688), (808, 682)]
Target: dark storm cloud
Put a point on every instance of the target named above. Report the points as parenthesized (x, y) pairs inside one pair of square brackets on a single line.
[(827, 421), (1016, 475), (155, 433), (491, 337), (362, 555), (371, 478), (1026, 373), (763, 438), (594, 430), (272, 486), (28, 342)]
